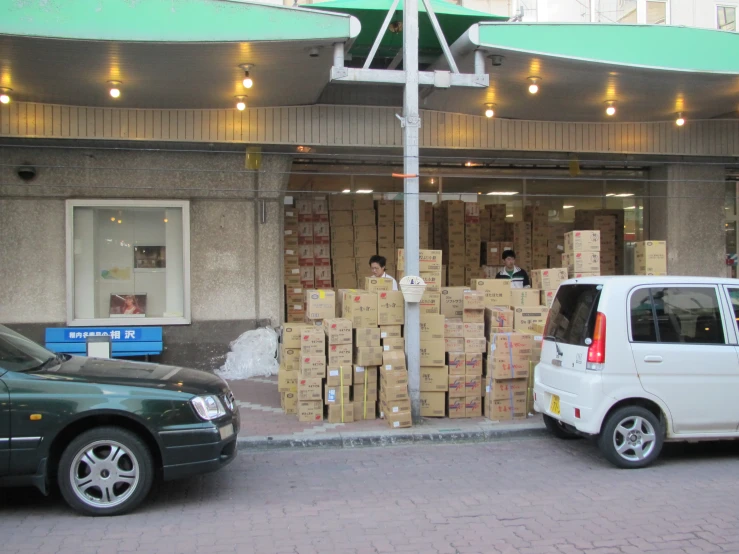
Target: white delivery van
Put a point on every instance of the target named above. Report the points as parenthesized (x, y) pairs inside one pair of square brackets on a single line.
[(636, 361)]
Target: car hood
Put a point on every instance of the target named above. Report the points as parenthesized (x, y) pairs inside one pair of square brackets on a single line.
[(137, 374)]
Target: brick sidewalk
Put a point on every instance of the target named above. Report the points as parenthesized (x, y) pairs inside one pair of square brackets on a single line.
[(262, 418)]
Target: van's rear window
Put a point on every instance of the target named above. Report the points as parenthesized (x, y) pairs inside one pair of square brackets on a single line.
[(572, 316)]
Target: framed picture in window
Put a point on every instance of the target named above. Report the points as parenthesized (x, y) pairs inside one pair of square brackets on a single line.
[(150, 257), (128, 305)]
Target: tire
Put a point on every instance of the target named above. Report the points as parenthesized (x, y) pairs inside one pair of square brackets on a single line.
[(558, 430), (106, 471), (632, 438)]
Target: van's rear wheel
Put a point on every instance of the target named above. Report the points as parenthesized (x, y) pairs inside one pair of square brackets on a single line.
[(558, 430), (631, 438)]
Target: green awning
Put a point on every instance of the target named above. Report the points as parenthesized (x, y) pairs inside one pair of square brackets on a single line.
[(453, 19), (647, 46), (171, 21)]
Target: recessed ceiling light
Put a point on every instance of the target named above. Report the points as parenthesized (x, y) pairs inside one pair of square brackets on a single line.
[(502, 193), (630, 208), (567, 207), (534, 84), (624, 195), (346, 191), (364, 191), (509, 215)]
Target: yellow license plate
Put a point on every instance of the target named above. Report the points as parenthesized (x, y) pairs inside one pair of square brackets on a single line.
[(554, 405)]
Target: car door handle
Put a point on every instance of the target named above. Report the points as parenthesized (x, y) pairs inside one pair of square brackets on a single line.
[(653, 359)]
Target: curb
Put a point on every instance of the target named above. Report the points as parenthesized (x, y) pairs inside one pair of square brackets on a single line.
[(374, 439)]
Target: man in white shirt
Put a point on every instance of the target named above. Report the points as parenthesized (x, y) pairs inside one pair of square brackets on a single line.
[(377, 265)]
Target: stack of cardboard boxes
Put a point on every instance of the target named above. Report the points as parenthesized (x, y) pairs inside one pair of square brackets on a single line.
[(311, 374), (610, 223), (475, 346), (522, 243), (650, 258), (434, 379), (339, 371), (472, 230), (289, 372), (294, 303), (538, 216), (453, 242), (582, 253), (547, 281), (386, 238), (342, 241), (314, 242), (508, 368)]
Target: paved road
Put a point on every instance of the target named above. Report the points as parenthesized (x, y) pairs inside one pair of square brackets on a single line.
[(529, 496)]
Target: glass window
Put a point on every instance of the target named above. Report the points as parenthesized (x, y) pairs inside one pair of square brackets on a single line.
[(129, 262), (726, 17), (734, 294), (17, 353), (657, 13), (572, 316), (683, 315)]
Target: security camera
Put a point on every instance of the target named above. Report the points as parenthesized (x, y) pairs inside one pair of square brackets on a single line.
[(26, 173), (314, 52), (497, 60)]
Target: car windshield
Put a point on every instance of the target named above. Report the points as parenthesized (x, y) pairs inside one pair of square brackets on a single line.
[(17, 353)]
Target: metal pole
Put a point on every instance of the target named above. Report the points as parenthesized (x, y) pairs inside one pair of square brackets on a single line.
[(411, 122)]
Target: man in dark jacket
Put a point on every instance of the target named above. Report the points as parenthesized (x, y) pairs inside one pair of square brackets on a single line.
[(518, 277)]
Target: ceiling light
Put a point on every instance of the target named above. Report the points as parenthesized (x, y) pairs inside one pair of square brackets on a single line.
[(5, 95), (567, 207), (432, 181), (502, 193), (509, 215), (611, 194), (346, 191), (624, 195), (115, 88), (304, 149), (630, 208), (610, 108), (534, 84), (489, 110), (364, 191), (248, 82), (241, 103), (680, 121)]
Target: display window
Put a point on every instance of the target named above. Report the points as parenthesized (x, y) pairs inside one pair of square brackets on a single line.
[(128, 262)]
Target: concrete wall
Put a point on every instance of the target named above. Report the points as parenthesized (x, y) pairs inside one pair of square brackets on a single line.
[(686, 209), (235, 271)]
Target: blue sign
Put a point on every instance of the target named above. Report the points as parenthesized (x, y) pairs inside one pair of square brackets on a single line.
[(122, 334)]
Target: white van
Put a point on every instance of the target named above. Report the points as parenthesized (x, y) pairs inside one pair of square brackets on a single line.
[(635, 361)]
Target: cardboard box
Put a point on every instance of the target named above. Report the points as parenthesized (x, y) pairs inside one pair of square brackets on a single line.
[(287, 381), (507, 389), (453, 328), (507, 345), (515, 367), (310, 388), (525, 297), (338, 331), (370, 388), (432, 327), (474, 330), (473, 316), (432, 353), (475, 345), (473, 363), (313, 341), (310, 411), (290, 358), (340, 375), (582, 241), (455, 407), (390, 394), (400, 420), (289, 402), (650, 258), (473, 385), (361, 218), (320, 304), (393, 345), (390, 308), (360, 308), (367, 337), (548, 279), (547, 297), (505, 410), (365, 411), (473, 406), (292, 335), (526, 318), (457, 386), (454, 344), (433, 404), (496, 319), (452, 302), (365, 233), (581, 262), (393, 360), (341, 414), (333, 394), (456, 362), (363, 202), (434, 379), (428, 260), (368, 356), (374, 284), (430, 303), (390, 332), (497, 291), (312, 366), (473, 300), (365, 250), (395, 406), (391, 379), (341, 218), (345, 281)]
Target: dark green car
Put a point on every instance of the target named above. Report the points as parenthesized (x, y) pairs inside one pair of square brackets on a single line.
[(104, 429)]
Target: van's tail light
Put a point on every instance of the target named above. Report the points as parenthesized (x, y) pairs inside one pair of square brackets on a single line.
[(597, 348)]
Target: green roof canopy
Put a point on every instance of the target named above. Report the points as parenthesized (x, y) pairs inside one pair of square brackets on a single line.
[(453, 19), (646, 46), (170, 21)]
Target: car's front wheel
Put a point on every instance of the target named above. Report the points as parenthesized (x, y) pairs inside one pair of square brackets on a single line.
[(631, 438), (105, 471)]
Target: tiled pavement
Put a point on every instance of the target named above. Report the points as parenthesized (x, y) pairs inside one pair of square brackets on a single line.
[(264, 422), (527, 496)]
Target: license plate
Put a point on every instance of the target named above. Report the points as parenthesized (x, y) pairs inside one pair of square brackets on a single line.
[(228, 430), (554, 405)]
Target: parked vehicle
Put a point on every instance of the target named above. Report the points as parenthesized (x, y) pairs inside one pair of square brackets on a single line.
[(104, 429), (636, 361)]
